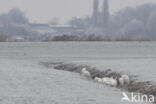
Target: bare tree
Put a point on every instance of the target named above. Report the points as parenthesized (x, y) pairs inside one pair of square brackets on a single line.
[(16, 16)]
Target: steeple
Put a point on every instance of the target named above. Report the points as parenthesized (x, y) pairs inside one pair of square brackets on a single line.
[(95, 14), (105, 13)]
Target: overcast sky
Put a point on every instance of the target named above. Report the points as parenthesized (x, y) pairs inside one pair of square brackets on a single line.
[(44, 10)]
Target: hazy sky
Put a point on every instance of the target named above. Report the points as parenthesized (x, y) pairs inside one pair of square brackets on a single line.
[(44, 10)]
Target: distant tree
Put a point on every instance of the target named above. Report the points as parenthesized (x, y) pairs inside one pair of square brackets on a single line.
[(142, 12), (4, 20), (123, 16), (16, 16), (63, 37), (133, 27), (134, 21), (93, 37)]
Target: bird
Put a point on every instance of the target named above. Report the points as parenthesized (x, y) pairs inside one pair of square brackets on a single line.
[(85, 73), (124, 80), (98, 79), (121, 81), (110, 81)]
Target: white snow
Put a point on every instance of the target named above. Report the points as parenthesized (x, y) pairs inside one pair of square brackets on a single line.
[(23, 80)]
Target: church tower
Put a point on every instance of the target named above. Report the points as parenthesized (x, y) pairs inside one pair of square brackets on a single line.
[(105, 14), (95, 15)]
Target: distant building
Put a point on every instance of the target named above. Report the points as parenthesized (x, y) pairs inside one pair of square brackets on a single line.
[(100, 19), (95, 15), (41, 28), (105, 14), (55, 29)]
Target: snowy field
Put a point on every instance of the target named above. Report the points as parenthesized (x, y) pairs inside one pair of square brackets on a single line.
[(23, 80)]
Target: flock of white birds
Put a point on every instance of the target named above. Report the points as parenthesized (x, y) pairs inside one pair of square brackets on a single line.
[(124, 80)]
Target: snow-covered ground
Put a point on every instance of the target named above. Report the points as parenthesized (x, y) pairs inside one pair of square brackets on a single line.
[(23, 80)]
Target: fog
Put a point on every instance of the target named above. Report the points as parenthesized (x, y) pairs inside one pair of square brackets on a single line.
[(44, 10), (43, 20)]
